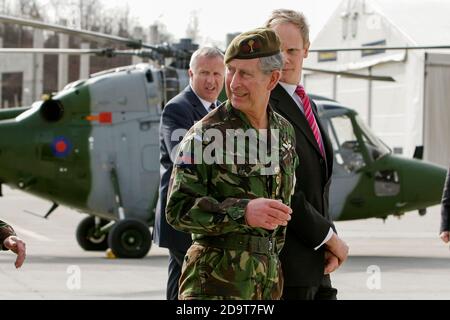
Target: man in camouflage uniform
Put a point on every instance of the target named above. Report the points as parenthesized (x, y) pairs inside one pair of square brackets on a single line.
[(9, 241), (236, 210)]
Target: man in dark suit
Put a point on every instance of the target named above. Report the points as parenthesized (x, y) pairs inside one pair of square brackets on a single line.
[(312, 249), (445, 210), (206, 74)]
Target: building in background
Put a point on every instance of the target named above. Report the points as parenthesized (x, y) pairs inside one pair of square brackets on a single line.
[(26, 77), (415, 109)]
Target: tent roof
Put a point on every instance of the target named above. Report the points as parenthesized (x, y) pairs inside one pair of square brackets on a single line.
[(422, 22), (417, 22)]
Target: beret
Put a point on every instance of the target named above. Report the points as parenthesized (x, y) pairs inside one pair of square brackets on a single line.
[(257, 43)]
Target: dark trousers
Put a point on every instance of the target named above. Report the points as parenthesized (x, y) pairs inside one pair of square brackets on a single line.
[(322, 292), (176, 258)]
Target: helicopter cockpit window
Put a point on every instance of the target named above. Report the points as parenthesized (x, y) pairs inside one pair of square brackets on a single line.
[(376, 148), (387, 183), (345, 145), (149, 76)]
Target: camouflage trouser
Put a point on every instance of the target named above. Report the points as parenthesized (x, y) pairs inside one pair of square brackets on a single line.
[(215, 273)]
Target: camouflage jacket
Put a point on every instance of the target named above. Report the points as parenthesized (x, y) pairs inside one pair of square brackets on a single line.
[(5, 231), (208, 198)]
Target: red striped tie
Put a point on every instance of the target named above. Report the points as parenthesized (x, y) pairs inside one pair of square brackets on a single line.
[(300, 91)]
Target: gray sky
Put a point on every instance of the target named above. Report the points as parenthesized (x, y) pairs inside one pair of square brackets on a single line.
[(216, 18)]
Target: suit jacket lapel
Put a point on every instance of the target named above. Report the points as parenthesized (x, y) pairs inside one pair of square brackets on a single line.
[(199, 109), (288, 108)]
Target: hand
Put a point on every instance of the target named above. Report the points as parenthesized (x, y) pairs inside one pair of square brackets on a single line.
[(445, 236), (267, 213), (331, 262), (338, 247), (17, 246)]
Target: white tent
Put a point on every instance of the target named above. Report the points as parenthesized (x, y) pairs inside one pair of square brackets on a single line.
[(415, 109)]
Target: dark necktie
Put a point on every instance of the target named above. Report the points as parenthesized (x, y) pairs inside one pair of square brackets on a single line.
[(212, 107), (300, 91)]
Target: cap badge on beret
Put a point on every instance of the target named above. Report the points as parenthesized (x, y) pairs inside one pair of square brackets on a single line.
[(252, 45)]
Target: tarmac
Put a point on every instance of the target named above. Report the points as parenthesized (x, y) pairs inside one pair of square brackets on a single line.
[(392, 260)]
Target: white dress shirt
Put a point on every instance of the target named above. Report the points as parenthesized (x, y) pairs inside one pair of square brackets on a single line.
[(206, 104)]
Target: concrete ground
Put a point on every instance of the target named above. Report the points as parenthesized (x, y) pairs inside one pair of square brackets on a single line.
[(397, 259)]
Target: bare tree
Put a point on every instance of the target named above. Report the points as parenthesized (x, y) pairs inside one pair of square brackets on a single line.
[(22, 8), (5, 7), (163, 34), (192, 30), (90, 15), (59, 9), (124, 22), (30, 9), (120, 19), (88, 11), (108, 24)]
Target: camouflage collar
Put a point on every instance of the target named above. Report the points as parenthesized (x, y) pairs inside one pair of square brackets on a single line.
[(233, 112)]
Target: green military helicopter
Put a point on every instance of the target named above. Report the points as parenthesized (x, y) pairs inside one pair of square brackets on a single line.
[(94, 146), (368, 180)]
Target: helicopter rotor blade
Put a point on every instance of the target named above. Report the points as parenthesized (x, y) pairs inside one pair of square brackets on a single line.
[(89, 35), (351, 75), (105, 52), (164, 50), (380, 48), (51, 51), (139, 53)]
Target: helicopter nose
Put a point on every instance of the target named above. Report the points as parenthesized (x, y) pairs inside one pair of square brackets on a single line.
[(423, 183)]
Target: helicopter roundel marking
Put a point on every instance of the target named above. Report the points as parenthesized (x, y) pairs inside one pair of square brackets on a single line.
[(61, 147)]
